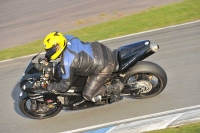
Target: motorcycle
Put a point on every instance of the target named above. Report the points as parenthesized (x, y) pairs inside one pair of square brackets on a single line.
[(140, 79)]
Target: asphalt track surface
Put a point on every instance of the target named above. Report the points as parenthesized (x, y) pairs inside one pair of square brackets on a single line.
[(23, 21), (178, 55)]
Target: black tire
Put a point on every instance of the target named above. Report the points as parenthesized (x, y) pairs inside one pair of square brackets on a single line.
[(145, 67), (26, 111)]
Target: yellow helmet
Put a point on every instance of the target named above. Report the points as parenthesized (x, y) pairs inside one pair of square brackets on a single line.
[(54, 44)]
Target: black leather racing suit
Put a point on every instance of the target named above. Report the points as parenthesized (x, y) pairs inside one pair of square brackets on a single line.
[(86, 59)]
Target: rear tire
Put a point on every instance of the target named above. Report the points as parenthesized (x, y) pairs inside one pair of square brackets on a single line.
[(145, 71)]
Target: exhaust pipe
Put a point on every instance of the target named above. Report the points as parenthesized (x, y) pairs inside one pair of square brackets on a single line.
[(153, 48)]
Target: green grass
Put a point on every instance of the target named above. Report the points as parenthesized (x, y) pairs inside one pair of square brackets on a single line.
[(186, 11), (190, 128), (153, 18)]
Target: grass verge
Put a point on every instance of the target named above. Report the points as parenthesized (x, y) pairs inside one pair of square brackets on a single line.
[(190, 128), (177, 13)]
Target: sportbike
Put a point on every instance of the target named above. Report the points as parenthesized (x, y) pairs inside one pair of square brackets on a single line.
[(137, 78)]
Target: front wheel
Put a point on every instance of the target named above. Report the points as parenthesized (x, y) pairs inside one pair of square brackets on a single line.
[(148, 77), (38, 110)]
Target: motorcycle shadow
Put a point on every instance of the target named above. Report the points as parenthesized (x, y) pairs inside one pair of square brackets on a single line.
[(16, 92), (15, 95)]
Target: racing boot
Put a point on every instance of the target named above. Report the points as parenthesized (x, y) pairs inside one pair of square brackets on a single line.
[(99, 96)]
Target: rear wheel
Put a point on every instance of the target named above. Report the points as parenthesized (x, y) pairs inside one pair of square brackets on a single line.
[(38, 110), (149, 78)]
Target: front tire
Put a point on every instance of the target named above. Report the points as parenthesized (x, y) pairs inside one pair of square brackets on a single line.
[(26, 110), (151, 78)]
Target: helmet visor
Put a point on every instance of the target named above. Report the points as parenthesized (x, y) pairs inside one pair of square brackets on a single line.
[(51, 51)]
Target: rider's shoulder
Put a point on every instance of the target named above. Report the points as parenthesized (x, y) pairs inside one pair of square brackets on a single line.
[(68, 36)]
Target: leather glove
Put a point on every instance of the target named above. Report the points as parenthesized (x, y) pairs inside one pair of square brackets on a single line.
[(47, 57), (51, 89), (41, 60)]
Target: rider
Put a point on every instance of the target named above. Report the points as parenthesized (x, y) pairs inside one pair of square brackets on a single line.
[(80, 58)]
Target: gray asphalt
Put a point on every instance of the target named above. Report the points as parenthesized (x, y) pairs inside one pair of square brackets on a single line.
[(23, 21), (178, 55)]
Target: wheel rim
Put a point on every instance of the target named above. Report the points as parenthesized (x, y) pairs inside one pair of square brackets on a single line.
[(148, 83), (41, 111)]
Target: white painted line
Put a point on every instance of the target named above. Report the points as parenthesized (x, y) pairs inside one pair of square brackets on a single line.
[(150, 31), (21, 57), (118, 37), (156, 123), (134, 119), (175, 118), (148, 124), (110, 129)]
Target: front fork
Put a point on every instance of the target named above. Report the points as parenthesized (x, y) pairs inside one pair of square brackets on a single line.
[(38, 103), (23, 95)]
